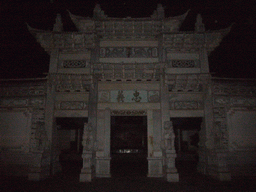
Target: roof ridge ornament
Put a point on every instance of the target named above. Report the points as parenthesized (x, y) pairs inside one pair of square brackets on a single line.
[(58, 26), (160, 11), (199, 26), (98, 13)]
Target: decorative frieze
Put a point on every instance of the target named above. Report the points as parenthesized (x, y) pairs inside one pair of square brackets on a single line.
[(128, 52), (227, 94), (70, 82), (128, 112), (234, 87), (22, 91), (75, 64), (127, 71), (22, 102), (234, 101), (183, 64), (39, 139), (186, 105), (68, 40), (220, 134), (71, 105), (185, 83), (193, 41)]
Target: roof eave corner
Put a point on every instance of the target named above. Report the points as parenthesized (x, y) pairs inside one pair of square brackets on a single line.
[(214, 38), (41, 37), (74, 19)]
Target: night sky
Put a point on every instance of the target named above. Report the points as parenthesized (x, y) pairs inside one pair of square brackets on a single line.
[(22, 56)]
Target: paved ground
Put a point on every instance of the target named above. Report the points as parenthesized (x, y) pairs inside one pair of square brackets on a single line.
[(68, 181)]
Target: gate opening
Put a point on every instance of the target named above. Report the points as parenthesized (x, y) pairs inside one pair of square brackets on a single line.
[(70, 132), (129, 146), (186, 143)]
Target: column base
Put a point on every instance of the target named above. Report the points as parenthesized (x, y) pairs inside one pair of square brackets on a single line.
[(155, 167), (224, 176), (38, 175), (85, 177), (87, 174), (103, 167), (221, 176), (172, 177), (201, 168)]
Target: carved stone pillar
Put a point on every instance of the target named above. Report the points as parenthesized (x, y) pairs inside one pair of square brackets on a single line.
[(202, 151), (155, 161), (171, 172), (212, 155), (103, 156), (217, 164), (88, 142)]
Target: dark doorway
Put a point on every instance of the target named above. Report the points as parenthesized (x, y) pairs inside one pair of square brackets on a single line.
[(70, 132), (186, 143), (129, 146)]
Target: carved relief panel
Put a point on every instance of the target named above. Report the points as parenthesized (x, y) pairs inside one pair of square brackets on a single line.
[(128, 52)]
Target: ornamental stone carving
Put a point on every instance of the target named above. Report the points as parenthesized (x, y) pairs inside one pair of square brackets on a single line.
[(153, 96), (188, 105), (120, 97), (136, 96), (22, 91), (169, 136), (104, 96), (128, 112), (185, 83), (39, 138), (128, 52), (88, 141), (183, 64), (71, 105), (234, 87), (75, 64)]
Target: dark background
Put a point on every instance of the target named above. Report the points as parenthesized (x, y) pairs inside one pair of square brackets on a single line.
[(22, 57)]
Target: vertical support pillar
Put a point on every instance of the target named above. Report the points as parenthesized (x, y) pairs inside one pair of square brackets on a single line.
[(204, 60), (89, 137), (86, 174), (103, 162), (51, 156), (170, 153), (207, 123), (155, 163), (107, 132)]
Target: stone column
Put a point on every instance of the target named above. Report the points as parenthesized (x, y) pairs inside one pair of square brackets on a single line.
[(204, 60), (155, 165), (202, 161), (212, 156), (46, 155), (89, 136), (103, 160), (87, 155), (170, 152)]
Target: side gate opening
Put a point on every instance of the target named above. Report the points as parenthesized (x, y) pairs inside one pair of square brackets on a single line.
[(186, 143), (70, 133)]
